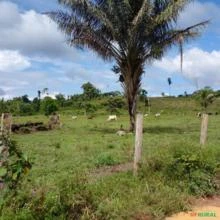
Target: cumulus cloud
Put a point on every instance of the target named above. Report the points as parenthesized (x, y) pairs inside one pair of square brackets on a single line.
[(12, 61), (201, 67), (31, 33), (197, 11)]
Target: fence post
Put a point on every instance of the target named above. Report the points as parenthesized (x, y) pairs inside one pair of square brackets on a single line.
[(2, 123), (138, 142), (204, 129)]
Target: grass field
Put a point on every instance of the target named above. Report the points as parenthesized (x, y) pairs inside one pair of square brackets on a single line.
[(62, 183)]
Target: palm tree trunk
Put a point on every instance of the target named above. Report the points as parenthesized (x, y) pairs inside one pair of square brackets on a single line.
[(132, 113), (131, 84), (132, 94)]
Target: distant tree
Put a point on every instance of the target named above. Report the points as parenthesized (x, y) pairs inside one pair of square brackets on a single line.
[(45, 91), (49, 106), (186, 94), (25, 99), (3, 106), (169, 80), (90, 91), (114, 104), (60, 99), (26, 109), (90, 109), (205, 96), (163, 94), (143, 95), (39, 94), (36, 104)]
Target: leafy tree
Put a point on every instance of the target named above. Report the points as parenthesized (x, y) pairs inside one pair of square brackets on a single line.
[(129, 32), (3, 106), (143, 95), (25, 109), (89, 91), (36, 104), (60, 99), (205, 96), (114, 104), (25, 99), (89, 108), (49, 106)]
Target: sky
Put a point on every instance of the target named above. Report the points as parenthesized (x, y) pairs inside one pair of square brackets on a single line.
[(34, 55)]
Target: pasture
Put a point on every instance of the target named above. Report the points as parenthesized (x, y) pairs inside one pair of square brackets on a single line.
[(70, 178)]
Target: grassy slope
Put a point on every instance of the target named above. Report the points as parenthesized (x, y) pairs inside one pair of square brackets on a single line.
[(59, 157)]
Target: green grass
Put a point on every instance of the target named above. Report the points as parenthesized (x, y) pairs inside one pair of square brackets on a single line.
[(59, 187)]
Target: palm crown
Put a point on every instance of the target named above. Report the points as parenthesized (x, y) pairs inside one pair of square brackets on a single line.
[(129, 32)]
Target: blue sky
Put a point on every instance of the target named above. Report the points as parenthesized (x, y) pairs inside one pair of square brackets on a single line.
[(34, 55)]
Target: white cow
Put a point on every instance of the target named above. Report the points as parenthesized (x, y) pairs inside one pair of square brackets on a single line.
[(74, 117), (112, 118), (157, 115), (146, 115), (121, 133)]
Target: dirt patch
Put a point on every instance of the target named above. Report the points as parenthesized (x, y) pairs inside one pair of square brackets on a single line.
[(28, 127), (205, 208)]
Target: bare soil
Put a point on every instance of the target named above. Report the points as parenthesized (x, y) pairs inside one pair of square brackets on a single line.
[(205, 208)]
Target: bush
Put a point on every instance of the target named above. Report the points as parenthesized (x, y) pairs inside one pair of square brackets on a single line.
[(49, 106), (114, 104), (25, 109), (193, 168), (190, 168)]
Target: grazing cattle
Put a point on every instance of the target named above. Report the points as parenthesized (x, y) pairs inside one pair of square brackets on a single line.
[(146, 115), (157, 115), (112, 118), (74, 117), (121, 133)]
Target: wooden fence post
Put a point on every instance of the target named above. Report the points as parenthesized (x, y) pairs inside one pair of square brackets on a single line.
[(204, 129), (138, 142), (2, 123)]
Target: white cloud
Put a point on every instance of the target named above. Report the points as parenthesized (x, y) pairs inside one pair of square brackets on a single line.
[(197, 11), (12, 61), (201, 67), (31, 33)]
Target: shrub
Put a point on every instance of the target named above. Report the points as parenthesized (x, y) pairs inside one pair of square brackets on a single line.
[(105, 160), (114, 104), (49, 106), (25, 109), (196, 169)]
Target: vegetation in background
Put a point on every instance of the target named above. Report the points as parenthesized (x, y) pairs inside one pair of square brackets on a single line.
[(49, 106), (205, 97)]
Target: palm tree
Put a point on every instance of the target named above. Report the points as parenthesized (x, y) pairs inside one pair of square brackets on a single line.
[(206, 97), (129, 32), (169, 83)]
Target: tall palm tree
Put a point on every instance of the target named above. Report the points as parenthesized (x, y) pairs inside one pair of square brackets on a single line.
[(169, 80), (129, 32)]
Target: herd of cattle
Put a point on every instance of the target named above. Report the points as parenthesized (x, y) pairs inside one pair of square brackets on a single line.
[(54, 121)]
